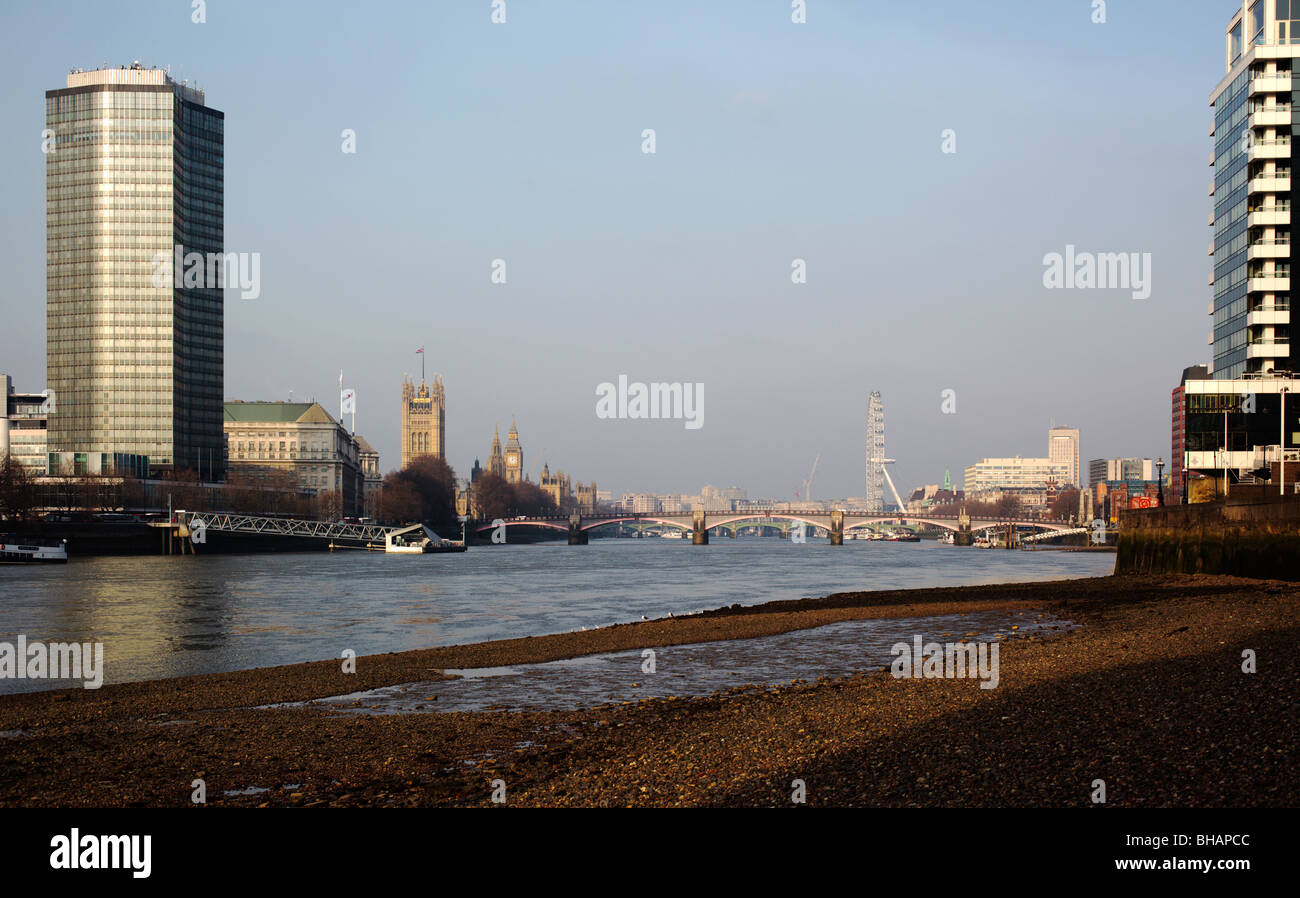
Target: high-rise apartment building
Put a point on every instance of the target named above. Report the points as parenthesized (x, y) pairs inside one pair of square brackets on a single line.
[(1063, 449), (134, 178), (1253, 159)]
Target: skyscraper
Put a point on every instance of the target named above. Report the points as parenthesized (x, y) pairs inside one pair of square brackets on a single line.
[(1063, 449), (134, 169), (424, 418), (875, 453), (1253, 158)]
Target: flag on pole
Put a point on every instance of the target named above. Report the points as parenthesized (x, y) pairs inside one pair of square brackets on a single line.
[(348, 401), (420, 351)]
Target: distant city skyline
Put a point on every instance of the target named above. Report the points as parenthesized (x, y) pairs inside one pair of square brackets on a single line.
[(676, 266)]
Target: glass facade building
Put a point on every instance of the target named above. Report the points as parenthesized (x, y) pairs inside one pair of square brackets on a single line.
[(135, 359), (1253, 160), (1254, 155)]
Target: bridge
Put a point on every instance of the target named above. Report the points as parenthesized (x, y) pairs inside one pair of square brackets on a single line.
[(578, 527), (187, 528)]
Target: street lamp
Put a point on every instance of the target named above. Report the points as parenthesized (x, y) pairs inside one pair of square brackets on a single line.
[(1281, 444), (1160, 481)]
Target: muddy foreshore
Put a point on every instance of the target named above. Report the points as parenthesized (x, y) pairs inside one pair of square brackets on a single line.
[(1148, 695)]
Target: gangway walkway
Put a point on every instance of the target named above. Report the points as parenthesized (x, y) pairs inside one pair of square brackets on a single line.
[(225, 522)]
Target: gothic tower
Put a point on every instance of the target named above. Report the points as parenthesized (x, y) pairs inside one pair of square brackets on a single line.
[(424, 415), (514, 456), (496, 464)]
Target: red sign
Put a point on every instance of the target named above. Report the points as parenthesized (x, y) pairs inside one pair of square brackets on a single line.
[(1143, 502)]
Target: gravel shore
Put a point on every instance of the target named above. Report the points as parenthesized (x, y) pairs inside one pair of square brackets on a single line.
[(1149, 695)]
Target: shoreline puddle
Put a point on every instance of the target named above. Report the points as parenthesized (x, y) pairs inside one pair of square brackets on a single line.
[(833, 650)]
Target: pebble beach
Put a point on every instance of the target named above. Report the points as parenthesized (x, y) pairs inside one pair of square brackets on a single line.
[(1148, 693)]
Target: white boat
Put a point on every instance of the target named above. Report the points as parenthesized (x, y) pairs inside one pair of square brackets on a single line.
[(419, 540), (30, 553), (673, 534)]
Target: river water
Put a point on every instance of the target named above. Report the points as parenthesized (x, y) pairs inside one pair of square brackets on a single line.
[(834, 650), (181, 615)]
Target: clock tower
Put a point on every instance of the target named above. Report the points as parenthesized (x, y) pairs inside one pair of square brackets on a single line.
[(514, 456)]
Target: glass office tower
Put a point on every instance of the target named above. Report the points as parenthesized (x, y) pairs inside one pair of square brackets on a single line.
[(135, 361), (1253, 160)]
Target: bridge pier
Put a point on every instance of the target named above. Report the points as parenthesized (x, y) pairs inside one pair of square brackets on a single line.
[(577, 536), (837, 527), (963, 536), (700, 534)]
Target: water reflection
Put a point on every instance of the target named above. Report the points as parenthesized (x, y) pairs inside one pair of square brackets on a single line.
[(835, 650), (174, 616)]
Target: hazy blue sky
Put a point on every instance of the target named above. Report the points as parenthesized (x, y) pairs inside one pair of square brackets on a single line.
[(775, 141)]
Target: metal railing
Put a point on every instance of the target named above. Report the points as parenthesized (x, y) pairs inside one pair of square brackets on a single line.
[(242, 523)]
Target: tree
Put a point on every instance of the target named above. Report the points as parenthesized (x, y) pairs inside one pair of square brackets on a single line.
[(398, 501), (17, 491), (1065, 505), (493, 496), (1008, 506), (531, 499), (424, 491)]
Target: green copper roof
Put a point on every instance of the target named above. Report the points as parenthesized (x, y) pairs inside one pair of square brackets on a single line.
[(277, 413)]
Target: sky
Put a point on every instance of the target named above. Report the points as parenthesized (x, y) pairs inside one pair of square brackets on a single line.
[(774, 141)]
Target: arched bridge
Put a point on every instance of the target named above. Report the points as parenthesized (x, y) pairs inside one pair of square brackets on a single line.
[(699, 523)]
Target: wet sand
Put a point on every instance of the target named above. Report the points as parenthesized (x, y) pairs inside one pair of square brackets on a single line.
[(1149, 695)]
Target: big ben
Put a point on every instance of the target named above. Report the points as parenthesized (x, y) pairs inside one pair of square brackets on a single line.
[(514, 456)]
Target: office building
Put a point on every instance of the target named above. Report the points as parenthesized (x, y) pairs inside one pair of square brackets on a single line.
[(303, 440), (1101, 470), (1014, 474), (134, 349), (1178, 433), (1063, 449), (23, 427)]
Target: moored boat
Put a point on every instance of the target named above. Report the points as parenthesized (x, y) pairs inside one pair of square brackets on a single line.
[(14, 551), (419, 540)]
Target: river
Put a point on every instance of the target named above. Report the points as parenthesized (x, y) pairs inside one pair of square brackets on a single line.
[(181, 615)]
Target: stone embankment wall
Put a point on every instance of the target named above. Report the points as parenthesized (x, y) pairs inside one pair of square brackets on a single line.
[(1251, 535)]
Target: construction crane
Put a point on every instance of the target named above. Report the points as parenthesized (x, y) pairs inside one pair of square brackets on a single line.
[(532, 475), (807, 484)]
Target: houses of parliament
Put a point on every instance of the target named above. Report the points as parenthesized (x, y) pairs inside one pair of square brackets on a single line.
[(424, 418)]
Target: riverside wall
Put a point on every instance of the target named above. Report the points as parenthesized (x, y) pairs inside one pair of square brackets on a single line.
[(1255, 533)]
